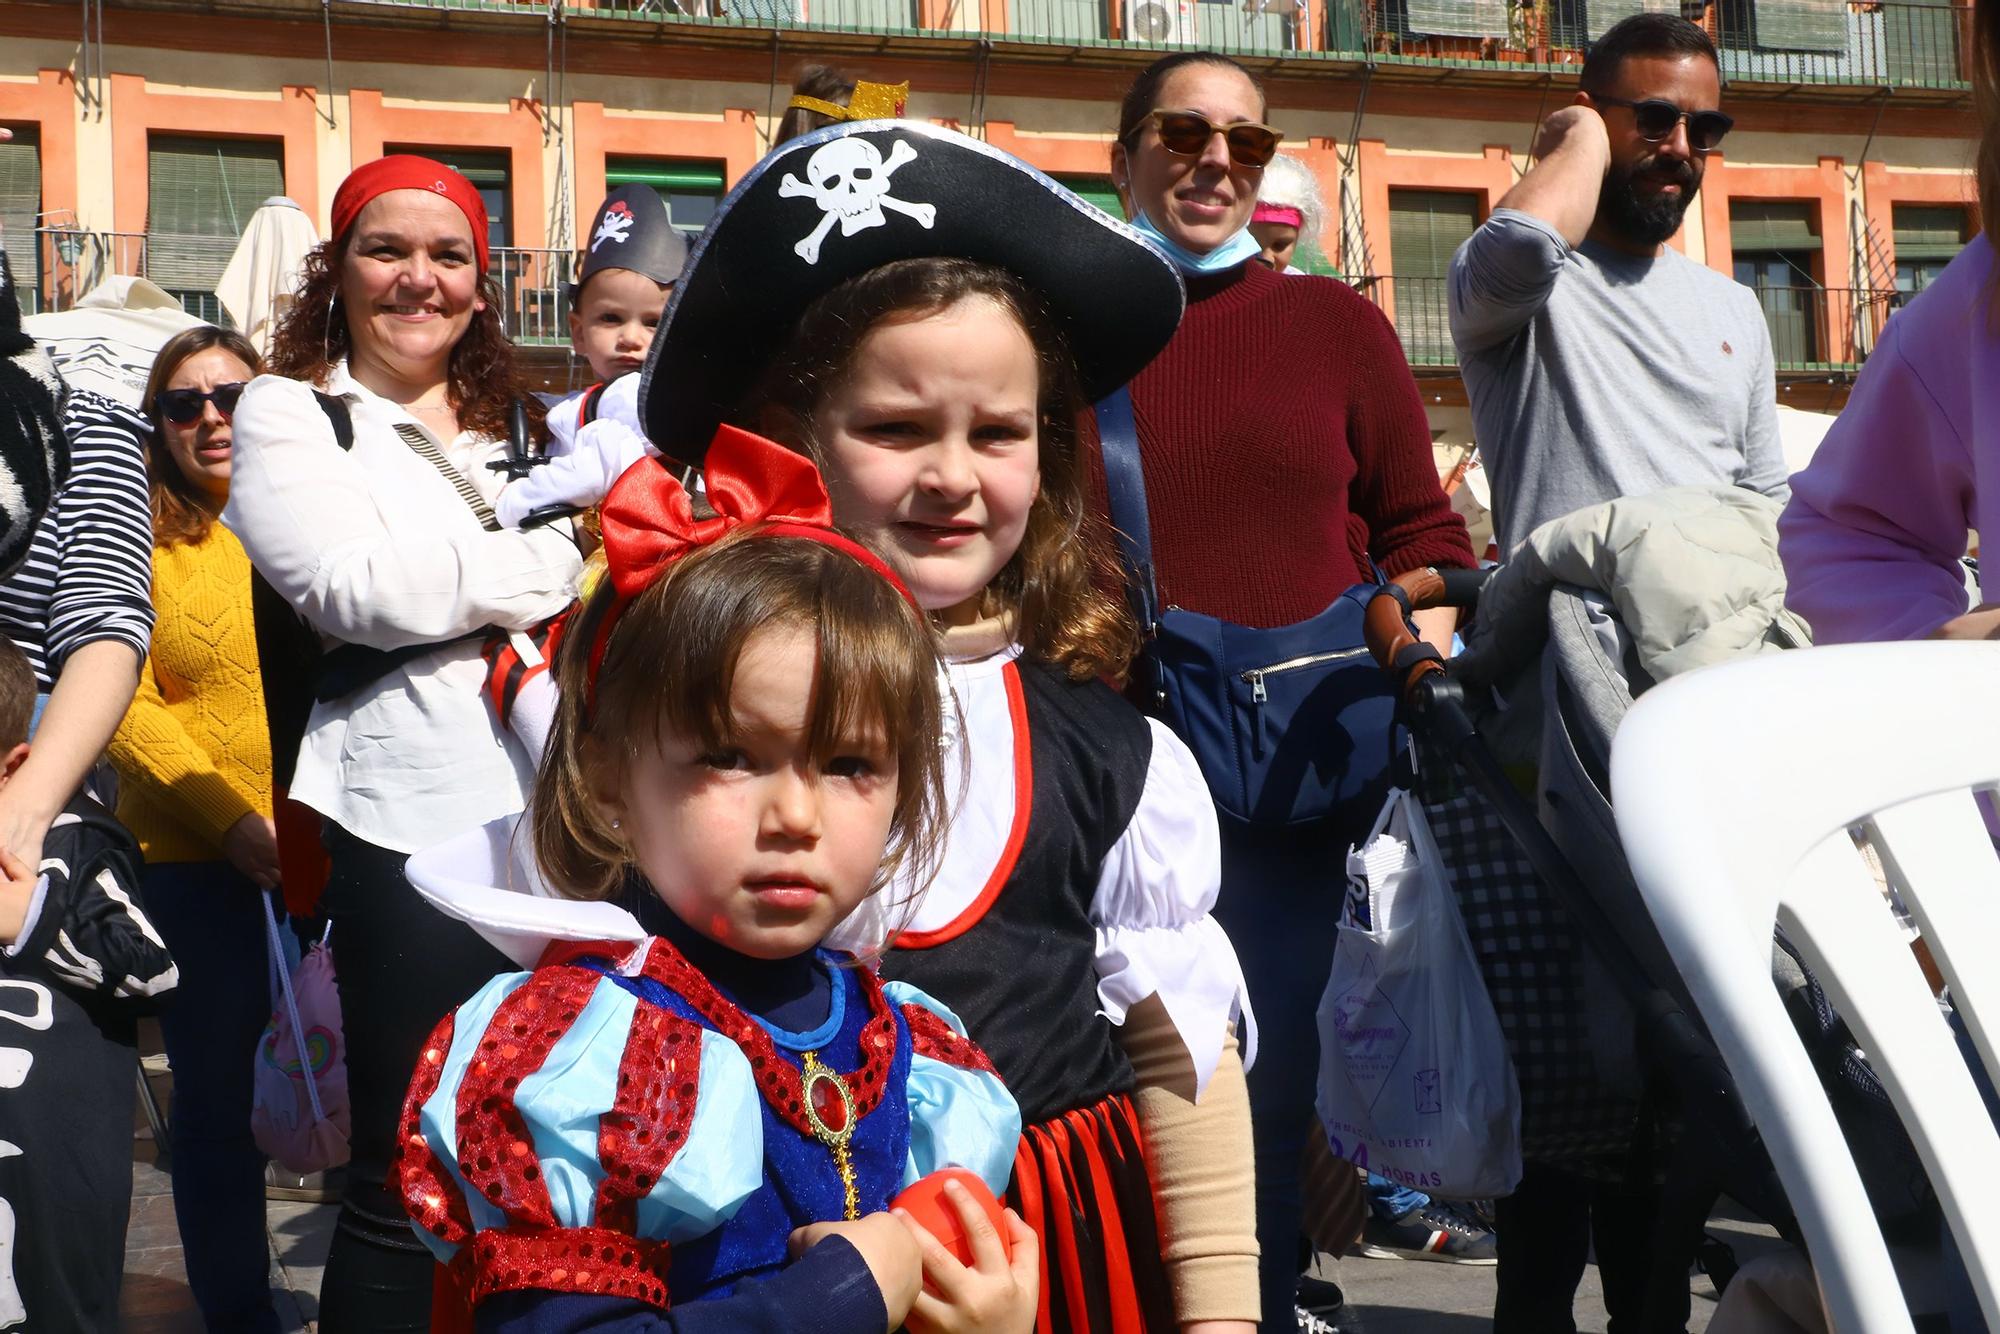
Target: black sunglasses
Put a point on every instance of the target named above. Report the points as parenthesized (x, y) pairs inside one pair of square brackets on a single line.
[(1656, 117), (1250, 143), (183, 406)]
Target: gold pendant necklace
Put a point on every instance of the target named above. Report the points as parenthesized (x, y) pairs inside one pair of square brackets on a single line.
[(829, 1109)]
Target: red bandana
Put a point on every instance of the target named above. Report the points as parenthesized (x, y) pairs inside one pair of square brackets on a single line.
[(404, 171)]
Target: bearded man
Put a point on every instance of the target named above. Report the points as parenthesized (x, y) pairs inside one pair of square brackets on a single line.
[(1601, 362)]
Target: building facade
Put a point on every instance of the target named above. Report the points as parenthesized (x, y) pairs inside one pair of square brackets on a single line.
[(146, 131)]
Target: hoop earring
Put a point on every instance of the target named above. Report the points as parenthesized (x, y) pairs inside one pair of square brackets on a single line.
[(326, 331)]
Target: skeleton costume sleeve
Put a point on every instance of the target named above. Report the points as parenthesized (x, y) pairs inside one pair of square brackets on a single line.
[(34, 456), (70, 988), (85, 926)]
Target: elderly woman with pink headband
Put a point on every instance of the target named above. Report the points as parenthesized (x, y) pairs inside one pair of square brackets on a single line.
[(361, 490), (1289, 213)]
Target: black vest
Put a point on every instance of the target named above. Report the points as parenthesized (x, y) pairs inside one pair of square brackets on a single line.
[(1023, 977)]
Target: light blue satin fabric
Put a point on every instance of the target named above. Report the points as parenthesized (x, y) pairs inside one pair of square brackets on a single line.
[(958, 1118), (438, 1119), (1228, 255), (718, 1167)]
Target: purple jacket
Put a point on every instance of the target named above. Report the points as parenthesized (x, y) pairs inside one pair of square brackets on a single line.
[(1877, 523)]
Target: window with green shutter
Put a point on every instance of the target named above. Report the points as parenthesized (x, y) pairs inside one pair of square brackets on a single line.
[(1774, 242), (1426, 227), (692, 189), (1095, 190), (1801, 25), (1928, 237), (20, 210), (1600, 15), (1772, 225), (1930, 231), (200, 194), (489, 172)]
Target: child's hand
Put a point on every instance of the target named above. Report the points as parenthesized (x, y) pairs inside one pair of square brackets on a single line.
[(998, 1294), (887, 1247), (17, 891)]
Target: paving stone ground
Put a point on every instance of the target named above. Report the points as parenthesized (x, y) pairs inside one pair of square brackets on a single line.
[(1384, 1296)]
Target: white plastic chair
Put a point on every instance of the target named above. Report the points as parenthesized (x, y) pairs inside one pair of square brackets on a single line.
[(1735, 788)]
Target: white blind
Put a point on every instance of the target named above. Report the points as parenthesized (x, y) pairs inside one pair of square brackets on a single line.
[(1458, 18), (200, 195)]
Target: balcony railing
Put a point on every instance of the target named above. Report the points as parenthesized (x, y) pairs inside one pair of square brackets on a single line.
[(535, 284), (1813, 329), (1902, 44)]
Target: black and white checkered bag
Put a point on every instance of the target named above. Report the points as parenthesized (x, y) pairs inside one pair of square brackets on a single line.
[(1531, 957)]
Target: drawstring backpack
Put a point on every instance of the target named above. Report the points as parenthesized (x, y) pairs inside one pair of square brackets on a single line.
[(299, 1114)]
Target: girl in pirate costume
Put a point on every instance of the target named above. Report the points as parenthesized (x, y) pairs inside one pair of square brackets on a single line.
[(931, 290), (632, 1135)]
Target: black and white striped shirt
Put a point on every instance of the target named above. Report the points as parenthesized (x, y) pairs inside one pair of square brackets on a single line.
[(89, 571)]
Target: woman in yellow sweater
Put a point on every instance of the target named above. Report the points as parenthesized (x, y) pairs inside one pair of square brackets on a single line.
[(194, 759)]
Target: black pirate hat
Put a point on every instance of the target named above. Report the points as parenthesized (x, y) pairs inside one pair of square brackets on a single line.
[(631, 230), (849, 198)]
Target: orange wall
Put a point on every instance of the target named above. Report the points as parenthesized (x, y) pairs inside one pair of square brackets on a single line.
[(137, 112), (517, 131), (1489, 176), (1883, 189), (733, 141), (47, 105)]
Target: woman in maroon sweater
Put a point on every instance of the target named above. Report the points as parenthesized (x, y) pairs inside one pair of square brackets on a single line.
[(1283, 445)]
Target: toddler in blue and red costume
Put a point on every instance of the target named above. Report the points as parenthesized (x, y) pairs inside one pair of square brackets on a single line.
[(688, 1115)]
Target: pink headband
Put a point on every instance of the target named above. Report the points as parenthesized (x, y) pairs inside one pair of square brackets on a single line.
[(1279, 213)]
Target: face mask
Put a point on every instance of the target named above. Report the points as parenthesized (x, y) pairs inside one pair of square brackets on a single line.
[(1228, 255)]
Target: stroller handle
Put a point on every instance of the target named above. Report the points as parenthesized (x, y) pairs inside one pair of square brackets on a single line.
[(1385, 623)]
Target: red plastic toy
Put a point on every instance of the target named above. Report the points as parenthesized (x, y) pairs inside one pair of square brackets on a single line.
[(926, 1202)]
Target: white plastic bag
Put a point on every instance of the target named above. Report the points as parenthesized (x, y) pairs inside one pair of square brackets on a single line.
[(1415, 1082)]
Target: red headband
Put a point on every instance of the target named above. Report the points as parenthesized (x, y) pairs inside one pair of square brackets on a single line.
[(404, 171), (1279, 213), (648, 522)]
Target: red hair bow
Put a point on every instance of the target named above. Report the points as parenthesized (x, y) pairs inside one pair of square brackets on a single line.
[(648, 519)]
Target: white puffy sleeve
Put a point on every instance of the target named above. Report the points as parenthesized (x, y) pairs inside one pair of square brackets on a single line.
[(1151, 911), (578, 478)]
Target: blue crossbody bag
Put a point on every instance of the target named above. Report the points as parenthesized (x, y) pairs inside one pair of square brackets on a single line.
[(1288, 724)]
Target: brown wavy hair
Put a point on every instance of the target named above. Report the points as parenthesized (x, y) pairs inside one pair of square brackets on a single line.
[(822, 81), (1054, 587), (182, 511), (669, 666), (483, 377)]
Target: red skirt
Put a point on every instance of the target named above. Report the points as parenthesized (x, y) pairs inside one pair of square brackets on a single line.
[(1080, 1182)]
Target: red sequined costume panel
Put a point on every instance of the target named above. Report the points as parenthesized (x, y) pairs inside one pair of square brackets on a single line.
[(932, 1037)]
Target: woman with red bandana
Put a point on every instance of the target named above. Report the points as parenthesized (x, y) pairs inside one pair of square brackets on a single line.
[(361, 491)]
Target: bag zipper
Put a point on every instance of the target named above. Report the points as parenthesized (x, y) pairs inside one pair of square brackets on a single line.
[(1254, 678)]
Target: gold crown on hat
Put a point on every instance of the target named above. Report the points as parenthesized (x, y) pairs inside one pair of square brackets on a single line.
[(870, 101)]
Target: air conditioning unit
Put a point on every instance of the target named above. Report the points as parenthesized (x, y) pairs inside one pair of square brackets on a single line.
[(1161, 22)]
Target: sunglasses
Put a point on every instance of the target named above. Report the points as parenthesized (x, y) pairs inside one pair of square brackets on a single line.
[(183, 407), (1188, 133), (1655, 119)]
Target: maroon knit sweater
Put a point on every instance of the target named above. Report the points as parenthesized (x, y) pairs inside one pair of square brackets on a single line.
[(1283, 442)]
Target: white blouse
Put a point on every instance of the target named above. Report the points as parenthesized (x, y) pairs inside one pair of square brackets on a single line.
[(374, 546), (1154, 891)]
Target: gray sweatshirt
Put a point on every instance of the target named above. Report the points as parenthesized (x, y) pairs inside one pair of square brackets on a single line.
[(1594, 374)]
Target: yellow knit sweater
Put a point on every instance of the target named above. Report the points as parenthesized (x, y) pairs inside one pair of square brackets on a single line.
[(194, 754)]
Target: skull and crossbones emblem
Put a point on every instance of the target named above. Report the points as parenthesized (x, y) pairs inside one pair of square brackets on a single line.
[(849, 180), (616, 225)]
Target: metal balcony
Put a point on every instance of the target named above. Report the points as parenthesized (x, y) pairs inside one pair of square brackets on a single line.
[(1814, 330), (1864, 45)]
